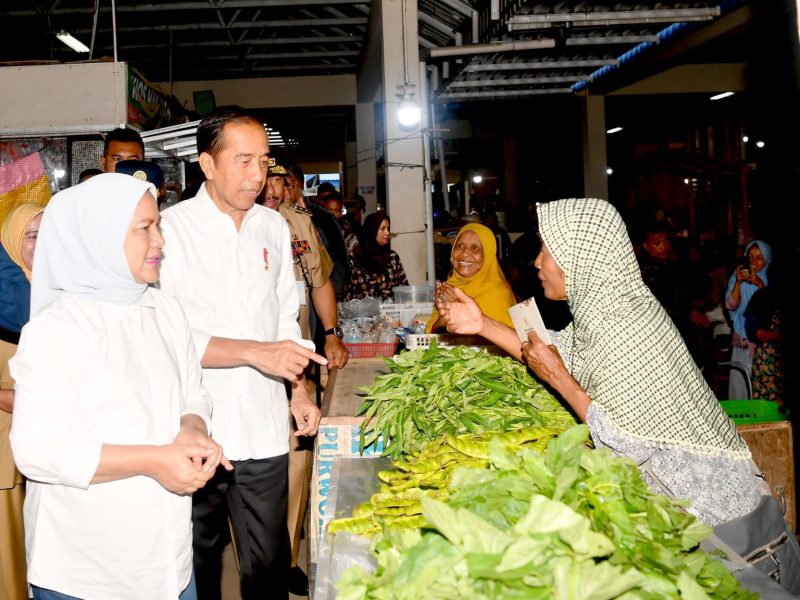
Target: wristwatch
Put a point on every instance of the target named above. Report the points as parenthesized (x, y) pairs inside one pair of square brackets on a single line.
[(337, 331)]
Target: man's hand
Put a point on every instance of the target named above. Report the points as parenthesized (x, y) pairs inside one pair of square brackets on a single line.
[(285, 359), (193, 433), (306, 414), (336, 352)]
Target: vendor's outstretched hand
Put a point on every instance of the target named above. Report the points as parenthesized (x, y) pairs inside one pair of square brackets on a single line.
[(459, 312)]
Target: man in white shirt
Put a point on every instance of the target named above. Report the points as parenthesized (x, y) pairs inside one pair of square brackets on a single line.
[(229, 263)]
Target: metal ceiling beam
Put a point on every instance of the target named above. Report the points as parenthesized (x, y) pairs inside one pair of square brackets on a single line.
[(476, 83), (189, 64), (358, 21), (502, 94), (491, 48), (255, 56), (425, 43), (611, 39), (457, 5), (436, 24), (342, 39), (543, 64), (322, 54), (173, 6), (614, 17)]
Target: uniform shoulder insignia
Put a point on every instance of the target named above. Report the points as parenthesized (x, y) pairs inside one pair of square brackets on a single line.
[(300, 210)]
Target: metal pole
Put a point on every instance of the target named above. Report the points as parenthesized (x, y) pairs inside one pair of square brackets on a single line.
[(124, 118), (114, 26), (440, 146), (426, 150)]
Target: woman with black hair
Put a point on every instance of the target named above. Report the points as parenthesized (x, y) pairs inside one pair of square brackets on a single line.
[(375, 267)]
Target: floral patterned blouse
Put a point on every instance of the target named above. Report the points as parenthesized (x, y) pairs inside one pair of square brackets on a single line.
[(365, 283)]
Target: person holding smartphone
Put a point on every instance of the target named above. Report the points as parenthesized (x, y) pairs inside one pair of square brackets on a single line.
[(749, 277)]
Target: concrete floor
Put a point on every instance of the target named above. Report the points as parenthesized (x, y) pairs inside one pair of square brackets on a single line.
[(230, 576)]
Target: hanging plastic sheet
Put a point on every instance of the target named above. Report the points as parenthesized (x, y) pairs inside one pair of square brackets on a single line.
[(23, 180)]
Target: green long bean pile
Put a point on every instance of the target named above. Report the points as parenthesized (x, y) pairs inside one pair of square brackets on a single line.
[(398, 502), (434, 392)]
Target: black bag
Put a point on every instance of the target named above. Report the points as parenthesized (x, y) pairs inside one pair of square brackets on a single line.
[(758, 543), (764, 541)]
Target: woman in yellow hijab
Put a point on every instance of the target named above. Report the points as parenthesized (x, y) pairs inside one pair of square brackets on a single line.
[(477, 272), (18, 235)]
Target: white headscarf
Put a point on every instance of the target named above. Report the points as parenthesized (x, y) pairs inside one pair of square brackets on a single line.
[(80, 249), (623, 348)]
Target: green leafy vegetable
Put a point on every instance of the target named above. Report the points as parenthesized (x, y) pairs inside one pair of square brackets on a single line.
[(437, 391), (572, 524)]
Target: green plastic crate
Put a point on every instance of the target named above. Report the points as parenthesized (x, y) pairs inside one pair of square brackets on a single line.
[(747, 412)]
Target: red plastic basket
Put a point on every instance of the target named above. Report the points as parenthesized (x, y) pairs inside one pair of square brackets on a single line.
[(371, 350)]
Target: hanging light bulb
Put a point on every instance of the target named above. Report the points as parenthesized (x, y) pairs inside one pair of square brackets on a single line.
[(409, 113)]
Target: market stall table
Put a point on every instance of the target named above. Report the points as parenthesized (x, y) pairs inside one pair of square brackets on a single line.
[(338, 435)]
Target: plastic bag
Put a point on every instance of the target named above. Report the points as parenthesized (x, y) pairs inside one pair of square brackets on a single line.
[(363, 307), (344, 551)]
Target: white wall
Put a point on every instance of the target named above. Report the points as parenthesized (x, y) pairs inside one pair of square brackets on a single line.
[(67, 98), (273, 92)]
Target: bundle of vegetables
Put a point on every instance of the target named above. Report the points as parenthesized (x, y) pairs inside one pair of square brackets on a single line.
[(433, 392), (570, 524), (398, 502)]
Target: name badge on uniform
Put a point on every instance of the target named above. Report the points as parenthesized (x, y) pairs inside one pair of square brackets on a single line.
[(301, 292)]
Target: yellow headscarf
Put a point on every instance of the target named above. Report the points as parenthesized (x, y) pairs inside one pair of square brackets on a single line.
[(488, 287), (14, 228)]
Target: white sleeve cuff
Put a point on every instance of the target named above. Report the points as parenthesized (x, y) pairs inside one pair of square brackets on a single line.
[(79, 461)]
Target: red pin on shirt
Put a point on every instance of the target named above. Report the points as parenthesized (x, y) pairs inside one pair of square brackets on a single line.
[(266, 260)]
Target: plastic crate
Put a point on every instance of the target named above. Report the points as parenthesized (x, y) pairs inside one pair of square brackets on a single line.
[(443, 340), (449, 340), (371, 350), (747, 412)]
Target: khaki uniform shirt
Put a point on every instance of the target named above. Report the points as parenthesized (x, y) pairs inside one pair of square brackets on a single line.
[(312, 264), (9, 476)]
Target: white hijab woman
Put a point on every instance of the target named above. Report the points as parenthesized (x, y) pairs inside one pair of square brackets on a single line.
[(110, 422)]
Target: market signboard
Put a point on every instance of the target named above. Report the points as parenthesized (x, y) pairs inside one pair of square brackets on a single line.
[(148, 107)]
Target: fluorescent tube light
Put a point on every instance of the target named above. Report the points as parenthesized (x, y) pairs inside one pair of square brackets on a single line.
[(70, 41), (614, 130), (721, 96)]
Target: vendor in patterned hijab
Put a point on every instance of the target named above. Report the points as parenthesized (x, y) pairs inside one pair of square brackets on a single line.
[(622, 365)]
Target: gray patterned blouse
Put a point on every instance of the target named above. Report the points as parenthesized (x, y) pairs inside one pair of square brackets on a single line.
[(721, 488)]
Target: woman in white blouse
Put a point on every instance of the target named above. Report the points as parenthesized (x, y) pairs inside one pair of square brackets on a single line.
[(110, 421)]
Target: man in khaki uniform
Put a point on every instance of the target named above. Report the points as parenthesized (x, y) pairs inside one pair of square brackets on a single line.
[(312, 268)]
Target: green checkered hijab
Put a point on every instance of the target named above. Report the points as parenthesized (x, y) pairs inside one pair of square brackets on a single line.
[(623, 348)]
